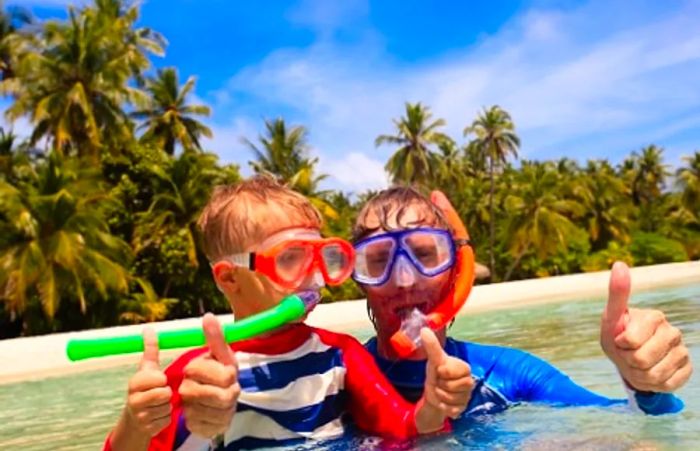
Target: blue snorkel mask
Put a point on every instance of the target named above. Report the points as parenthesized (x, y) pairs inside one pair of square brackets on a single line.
[(402, 253)]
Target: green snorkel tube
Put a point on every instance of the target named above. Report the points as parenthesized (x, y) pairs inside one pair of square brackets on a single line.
[(291, 308)]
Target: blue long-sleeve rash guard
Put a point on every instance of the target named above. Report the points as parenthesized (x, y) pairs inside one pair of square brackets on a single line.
[(506, 376)]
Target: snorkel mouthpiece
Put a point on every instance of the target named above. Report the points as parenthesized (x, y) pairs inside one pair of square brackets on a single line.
[(407, 339), (310, 298)]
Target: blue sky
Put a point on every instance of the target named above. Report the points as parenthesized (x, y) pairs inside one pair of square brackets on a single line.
[(582, 79)]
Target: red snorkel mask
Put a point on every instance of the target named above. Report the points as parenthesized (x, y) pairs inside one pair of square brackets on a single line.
[(407, 339)]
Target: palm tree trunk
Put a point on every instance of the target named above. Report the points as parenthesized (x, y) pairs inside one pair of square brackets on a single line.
[(516, 262), (166, 290), (170, 146), (492, 238)]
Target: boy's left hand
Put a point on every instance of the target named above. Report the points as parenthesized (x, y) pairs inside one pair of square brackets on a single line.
[(648, 351), (448, 381)]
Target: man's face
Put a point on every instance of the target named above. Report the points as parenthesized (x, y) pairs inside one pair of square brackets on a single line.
[(406, 288)]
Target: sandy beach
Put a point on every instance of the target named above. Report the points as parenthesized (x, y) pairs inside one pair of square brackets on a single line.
[(44, 356)]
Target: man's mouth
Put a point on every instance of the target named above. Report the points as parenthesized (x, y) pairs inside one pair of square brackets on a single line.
[(403, 311)]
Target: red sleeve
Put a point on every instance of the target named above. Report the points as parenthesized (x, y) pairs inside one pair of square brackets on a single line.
[(165, 440), (376, 407)]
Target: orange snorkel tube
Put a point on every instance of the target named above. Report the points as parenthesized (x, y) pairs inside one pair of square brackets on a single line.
[(407, 339)]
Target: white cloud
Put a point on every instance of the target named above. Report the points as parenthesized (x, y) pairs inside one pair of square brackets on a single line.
[(573, 85), (325, 17), (355, 171)]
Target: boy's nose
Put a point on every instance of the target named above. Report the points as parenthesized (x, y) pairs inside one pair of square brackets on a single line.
[(313, 281), (404, 273), (318, 280)]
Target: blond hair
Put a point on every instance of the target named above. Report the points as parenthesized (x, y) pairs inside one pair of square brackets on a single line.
[(241, 215)]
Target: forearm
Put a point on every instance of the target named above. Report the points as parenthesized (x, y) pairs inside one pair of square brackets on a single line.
[(429, 418), (127, 437)]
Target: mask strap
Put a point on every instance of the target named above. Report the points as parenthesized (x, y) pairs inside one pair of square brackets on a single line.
[(244, 259)]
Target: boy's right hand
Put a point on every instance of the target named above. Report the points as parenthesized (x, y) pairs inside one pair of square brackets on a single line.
[(148, 402), (448, 380), (210, 387)]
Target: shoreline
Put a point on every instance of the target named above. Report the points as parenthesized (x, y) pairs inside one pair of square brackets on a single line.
[(32, 358)]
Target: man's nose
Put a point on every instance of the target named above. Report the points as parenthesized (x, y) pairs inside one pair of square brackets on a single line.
[(404, 274)]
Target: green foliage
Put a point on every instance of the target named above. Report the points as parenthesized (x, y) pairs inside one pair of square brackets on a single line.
[(604, 259), (565, 259), (651, 248)]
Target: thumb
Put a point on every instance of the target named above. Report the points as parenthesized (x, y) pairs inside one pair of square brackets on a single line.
[(149, 360), (433, 348), (618, 296), (220, 350)]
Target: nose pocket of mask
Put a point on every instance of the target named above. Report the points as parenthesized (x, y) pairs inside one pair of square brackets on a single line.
[(318, 280), (404, 274)]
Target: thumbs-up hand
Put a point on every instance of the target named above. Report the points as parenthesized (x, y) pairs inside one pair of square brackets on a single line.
[(448, 380), (648, 351), (148, 401), (210, 389)]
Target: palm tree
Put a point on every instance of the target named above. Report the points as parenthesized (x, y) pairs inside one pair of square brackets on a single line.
[(688, 180), (10, 157), (646, 174), (282, 153), (11, 21), (414, 161), (171, 220), (496, 139), (186, 186), (74, 81), (449, 169), (133, 44), (59, 244), (168, 118), (539, 219), (605, 198)]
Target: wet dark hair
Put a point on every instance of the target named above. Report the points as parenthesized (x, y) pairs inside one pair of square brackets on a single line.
[(395, 201)]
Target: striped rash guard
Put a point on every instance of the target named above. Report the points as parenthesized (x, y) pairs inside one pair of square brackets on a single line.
[(506, 376), (296, 385)]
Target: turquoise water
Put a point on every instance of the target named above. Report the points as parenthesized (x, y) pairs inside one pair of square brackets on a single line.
[(75, 412)]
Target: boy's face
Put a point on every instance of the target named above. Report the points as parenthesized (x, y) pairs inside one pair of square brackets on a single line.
[(406, 288), (250, 292)]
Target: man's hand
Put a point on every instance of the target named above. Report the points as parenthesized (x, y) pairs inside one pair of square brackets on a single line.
[(148, 402), (448, 381), (210, 387), (649, 353)]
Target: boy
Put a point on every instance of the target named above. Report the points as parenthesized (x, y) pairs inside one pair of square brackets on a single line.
[(400, 236), (295, 383)]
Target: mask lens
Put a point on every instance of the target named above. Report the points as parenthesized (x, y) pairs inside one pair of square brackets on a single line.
[(372, 258), (432, 251), (336, 261), (291, 262)]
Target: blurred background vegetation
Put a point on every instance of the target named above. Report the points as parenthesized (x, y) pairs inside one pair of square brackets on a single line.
[(98, 207)]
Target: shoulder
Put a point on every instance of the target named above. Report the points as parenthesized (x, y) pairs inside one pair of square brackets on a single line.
[(485, 356)]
